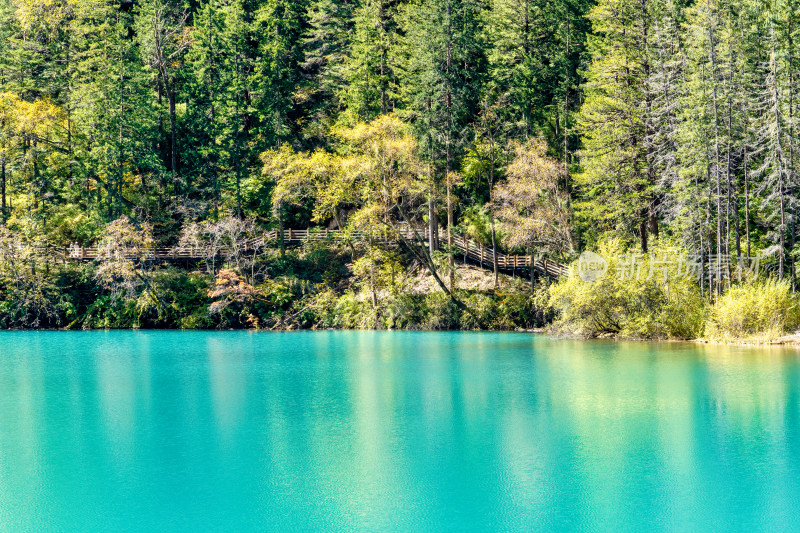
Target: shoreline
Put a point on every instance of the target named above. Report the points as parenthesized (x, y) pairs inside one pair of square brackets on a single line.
[(791, 340)]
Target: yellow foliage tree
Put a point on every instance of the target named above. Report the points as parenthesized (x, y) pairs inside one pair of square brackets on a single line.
[(530, 205), (31, 133), (377, 174)]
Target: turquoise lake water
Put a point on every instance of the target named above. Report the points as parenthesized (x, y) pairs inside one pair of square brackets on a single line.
[(393, 431)]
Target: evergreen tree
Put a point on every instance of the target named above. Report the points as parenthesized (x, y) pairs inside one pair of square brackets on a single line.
[(534, 51), (443, 77), (327, 50), (164, 38), (371, 70), (618, 172), (113, 111), (279, 27)]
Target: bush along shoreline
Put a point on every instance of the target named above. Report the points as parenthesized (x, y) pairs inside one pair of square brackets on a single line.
[(660, 298), (334, 285), (315, 286)]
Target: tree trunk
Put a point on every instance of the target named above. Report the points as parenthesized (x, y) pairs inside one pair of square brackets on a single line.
[(451, 257), (3, 189), (700, 238), (372, 285), (652, 217), (421, 253), (792, 182), (533, 270), (729, 211), (491, 218), (215, 168), (781, 192), (160, 144), (643, 231), (173, 141), (717, 176), (238, 170), (433, 226), (746, 204), (382, 22), (281, 241), (779, 159), (121, 141)]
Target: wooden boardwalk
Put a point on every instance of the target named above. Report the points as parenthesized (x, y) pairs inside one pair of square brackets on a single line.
[(466, 248)]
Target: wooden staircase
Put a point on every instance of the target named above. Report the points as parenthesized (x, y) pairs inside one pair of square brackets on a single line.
[(468, 249)]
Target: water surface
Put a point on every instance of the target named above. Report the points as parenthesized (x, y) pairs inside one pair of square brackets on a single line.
[(380, 431)]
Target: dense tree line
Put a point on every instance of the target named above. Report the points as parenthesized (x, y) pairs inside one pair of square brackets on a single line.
[(689, 127), (160, 109), (531, 125)]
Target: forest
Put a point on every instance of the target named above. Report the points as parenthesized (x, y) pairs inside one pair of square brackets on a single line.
[(634, 128)]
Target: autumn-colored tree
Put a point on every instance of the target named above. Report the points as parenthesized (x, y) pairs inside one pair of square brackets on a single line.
[(379, 177), (231, 291), (531, 205), (125, 257)]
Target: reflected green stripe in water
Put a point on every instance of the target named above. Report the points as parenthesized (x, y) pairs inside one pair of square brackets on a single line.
[(371, 431)]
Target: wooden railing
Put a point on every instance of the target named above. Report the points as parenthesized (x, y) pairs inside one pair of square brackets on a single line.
[(470, 250)]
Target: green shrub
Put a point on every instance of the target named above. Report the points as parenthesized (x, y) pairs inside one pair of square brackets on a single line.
[(185, 300), (110, 312), (755, 310), (323, 305), (327, 310), (482, 313), (518, 308), (352, 312), (404, 311), (667, 304), (441, 313)]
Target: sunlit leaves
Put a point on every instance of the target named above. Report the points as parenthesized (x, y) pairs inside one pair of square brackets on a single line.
[(530, 203), (376, 168)]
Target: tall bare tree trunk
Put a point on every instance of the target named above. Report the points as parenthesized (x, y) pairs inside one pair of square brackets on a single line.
[(450, 253), (717, 176), (746, 203), (491, 218), (432, 224), (173, 136)]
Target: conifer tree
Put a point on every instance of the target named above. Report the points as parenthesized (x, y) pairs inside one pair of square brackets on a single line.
[(327, 51), (371, 69), (164, 38), (279, 27), (442, 82), (618, 172), (113, 110)]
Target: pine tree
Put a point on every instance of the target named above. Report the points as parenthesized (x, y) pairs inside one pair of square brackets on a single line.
[(371, 69), (774, 168), (535, 71), (279, 27), (327, 52), (788, 34), (113, 110), (443, 77), (163, 36), (210, 90), (618, 172)]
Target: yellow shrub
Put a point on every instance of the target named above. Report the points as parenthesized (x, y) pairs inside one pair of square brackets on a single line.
[(631, 303), (756, 310)]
